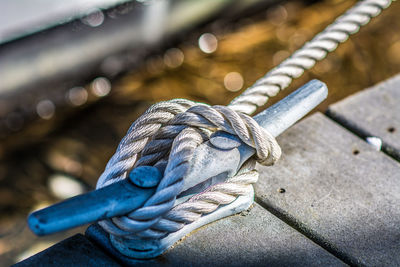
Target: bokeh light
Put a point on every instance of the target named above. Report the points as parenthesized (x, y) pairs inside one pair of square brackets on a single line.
[(63, 186), (94, 19), (233, 81), (208, 43), (101, 87), (77, 96), (45, 109), (173, 58)]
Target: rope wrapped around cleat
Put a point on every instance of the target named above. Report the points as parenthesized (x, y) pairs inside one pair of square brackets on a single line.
[(167, 134)]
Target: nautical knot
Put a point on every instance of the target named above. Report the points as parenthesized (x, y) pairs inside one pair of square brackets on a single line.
[(166, 136), (168, 133)]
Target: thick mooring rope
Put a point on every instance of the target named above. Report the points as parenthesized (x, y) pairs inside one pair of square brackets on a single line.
[(176, 135), (167, 134)]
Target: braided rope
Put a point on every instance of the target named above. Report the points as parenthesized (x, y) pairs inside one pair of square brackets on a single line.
[(305, 58), (175, 128)]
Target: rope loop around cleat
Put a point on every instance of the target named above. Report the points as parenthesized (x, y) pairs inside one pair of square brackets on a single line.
[(165, 136)]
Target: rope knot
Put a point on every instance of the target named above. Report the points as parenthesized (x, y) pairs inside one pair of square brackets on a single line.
[(166, 136), (236, 123)]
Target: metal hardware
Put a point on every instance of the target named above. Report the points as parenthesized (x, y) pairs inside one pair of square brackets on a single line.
[(213, 161), (113, 200)]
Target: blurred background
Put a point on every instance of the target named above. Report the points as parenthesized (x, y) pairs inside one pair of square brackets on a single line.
[(75, 74)]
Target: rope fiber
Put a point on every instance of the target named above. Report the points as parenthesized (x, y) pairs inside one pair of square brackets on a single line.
[(168, 133), (167, 139), (305, 58)]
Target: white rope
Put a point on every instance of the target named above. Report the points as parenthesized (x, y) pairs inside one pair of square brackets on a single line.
[(167, 134), (163, 132), (305, 58)]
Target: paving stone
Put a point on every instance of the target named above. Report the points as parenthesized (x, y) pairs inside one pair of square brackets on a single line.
[(256, 239), (373, 112), (74, 251), (338, 190)]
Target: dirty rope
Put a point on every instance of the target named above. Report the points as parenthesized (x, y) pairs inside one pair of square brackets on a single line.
[(167, 134)]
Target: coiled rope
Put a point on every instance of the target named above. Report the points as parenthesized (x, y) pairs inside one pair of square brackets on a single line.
[(167, 134), (174, 129)]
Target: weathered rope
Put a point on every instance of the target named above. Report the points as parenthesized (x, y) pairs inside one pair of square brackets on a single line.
[(203, 203), (305, 58), (173, 130), (164, 132)]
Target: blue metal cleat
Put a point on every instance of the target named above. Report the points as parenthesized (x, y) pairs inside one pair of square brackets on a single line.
[(213, 161), (110, 201)]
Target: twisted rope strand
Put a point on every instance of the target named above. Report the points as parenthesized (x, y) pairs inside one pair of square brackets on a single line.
[(187, 130), (201, 204), (217, 118), (137, 137), (305, 58)]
